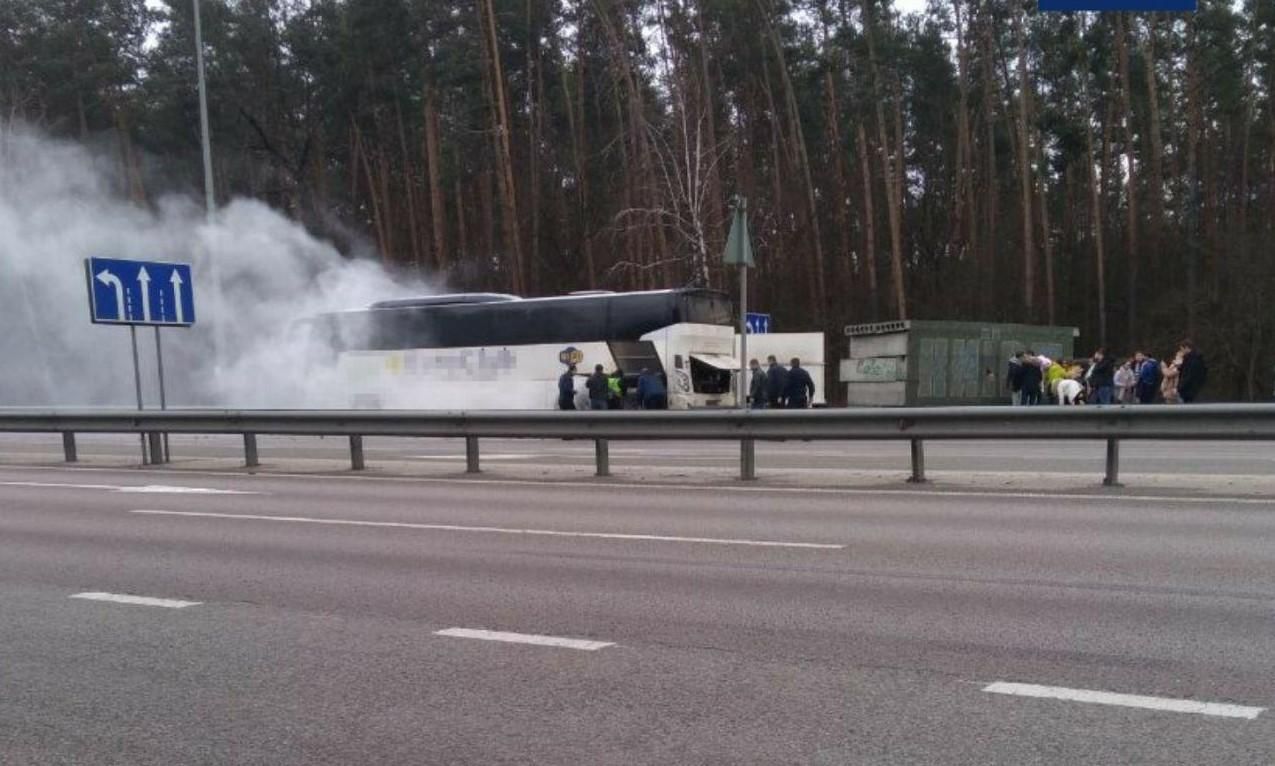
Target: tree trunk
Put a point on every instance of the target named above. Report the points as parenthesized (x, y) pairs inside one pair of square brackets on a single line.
[(1131, 176), (1024, 164), (818, 292), (892, 165), (991, 184), (1155, 192), (869, 228), (575, 124), (503, 136), (418, 258), (433, 155), (842, 207), (964, 205)]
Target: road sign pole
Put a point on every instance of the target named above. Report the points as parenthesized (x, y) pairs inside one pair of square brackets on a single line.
[(137, 382), (163, 397)]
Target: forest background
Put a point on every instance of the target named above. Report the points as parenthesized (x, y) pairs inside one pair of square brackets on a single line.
[(976, 160)]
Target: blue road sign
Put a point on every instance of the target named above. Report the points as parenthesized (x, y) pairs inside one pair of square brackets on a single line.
[(140, 292), (758, 324)]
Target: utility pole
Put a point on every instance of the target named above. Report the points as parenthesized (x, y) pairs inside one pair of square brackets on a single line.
[(210, 199)]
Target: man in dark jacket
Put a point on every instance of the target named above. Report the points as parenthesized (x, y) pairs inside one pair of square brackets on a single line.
[(799, 390), (756, 386), (599, 388), (1193, 373), (776, 380), (1102, 377), (567, 389), (1014, 378), (1032, 377)]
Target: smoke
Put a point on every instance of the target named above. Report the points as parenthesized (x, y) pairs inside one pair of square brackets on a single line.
[(58, 206)]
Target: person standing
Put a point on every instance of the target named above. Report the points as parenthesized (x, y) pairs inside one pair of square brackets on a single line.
[(567, 389), (616, 390), (651, 391), (598, 387), (1033, 376), (1102, 377), (1169, 374), (1194, 372), (1014, 379), (1125, 382), (756, 386), (799, 388), (776, 380), (1147, 370)]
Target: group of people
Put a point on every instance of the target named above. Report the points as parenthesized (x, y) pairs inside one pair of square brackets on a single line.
[(611, 392), (1102, 379), (777, 388)]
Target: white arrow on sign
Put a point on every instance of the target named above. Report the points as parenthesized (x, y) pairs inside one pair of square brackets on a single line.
[(176, 280), (144, 280), (110, 280)]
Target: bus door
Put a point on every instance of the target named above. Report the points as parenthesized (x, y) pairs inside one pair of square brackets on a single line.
[(633, 356)]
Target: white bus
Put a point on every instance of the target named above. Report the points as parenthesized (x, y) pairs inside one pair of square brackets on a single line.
[(494, 351)]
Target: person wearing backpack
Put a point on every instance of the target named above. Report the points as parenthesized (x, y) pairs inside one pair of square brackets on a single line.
[(1148, 371)]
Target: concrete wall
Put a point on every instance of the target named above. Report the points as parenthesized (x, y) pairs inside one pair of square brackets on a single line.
[(937, 363)]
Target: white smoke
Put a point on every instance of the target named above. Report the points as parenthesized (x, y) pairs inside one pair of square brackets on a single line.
[(58, 206)]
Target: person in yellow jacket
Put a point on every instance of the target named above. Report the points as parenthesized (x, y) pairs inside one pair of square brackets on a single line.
[(1056, 372)]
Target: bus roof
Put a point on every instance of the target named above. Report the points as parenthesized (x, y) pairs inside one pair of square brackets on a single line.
[(512, 321)]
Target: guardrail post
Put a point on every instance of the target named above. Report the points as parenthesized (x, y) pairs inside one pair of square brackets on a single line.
[(471, 455), (1112, 479), (156, 447), (68, 447), (250, 451), (747, 459), (602, 451), (918, 462), (356, 452)]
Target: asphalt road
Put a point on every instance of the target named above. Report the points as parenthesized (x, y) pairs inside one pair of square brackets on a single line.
[(744, 625)]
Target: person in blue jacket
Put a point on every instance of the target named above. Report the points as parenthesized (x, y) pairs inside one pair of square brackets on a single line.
[(567, 389), (651, 391), (1148, 371)]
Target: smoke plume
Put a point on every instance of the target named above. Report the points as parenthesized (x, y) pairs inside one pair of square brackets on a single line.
[(58, 206)]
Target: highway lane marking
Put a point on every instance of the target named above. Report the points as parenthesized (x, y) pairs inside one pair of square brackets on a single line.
[(1167, 704), (573, 484), (131, 489), (120, 598), (525, 638), (494, 530)]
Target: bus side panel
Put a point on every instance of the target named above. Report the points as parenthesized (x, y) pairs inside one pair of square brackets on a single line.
[(483, 378)]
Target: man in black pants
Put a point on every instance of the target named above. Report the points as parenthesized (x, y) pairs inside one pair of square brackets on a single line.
[(799, 389), (567, 389)]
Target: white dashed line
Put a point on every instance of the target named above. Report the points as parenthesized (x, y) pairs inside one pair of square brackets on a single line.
[(493, 530), (1166, 704), (120, 598), (144, 489), (525, 638)]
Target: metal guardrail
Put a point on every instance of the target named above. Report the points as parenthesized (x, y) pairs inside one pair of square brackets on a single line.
[(1223, 422)]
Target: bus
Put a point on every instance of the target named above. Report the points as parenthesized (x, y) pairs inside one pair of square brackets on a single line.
[(495, 351)]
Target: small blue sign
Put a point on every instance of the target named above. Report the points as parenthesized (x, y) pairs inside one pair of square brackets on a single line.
[(758, 324), (140, 292), (1117, 5)]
